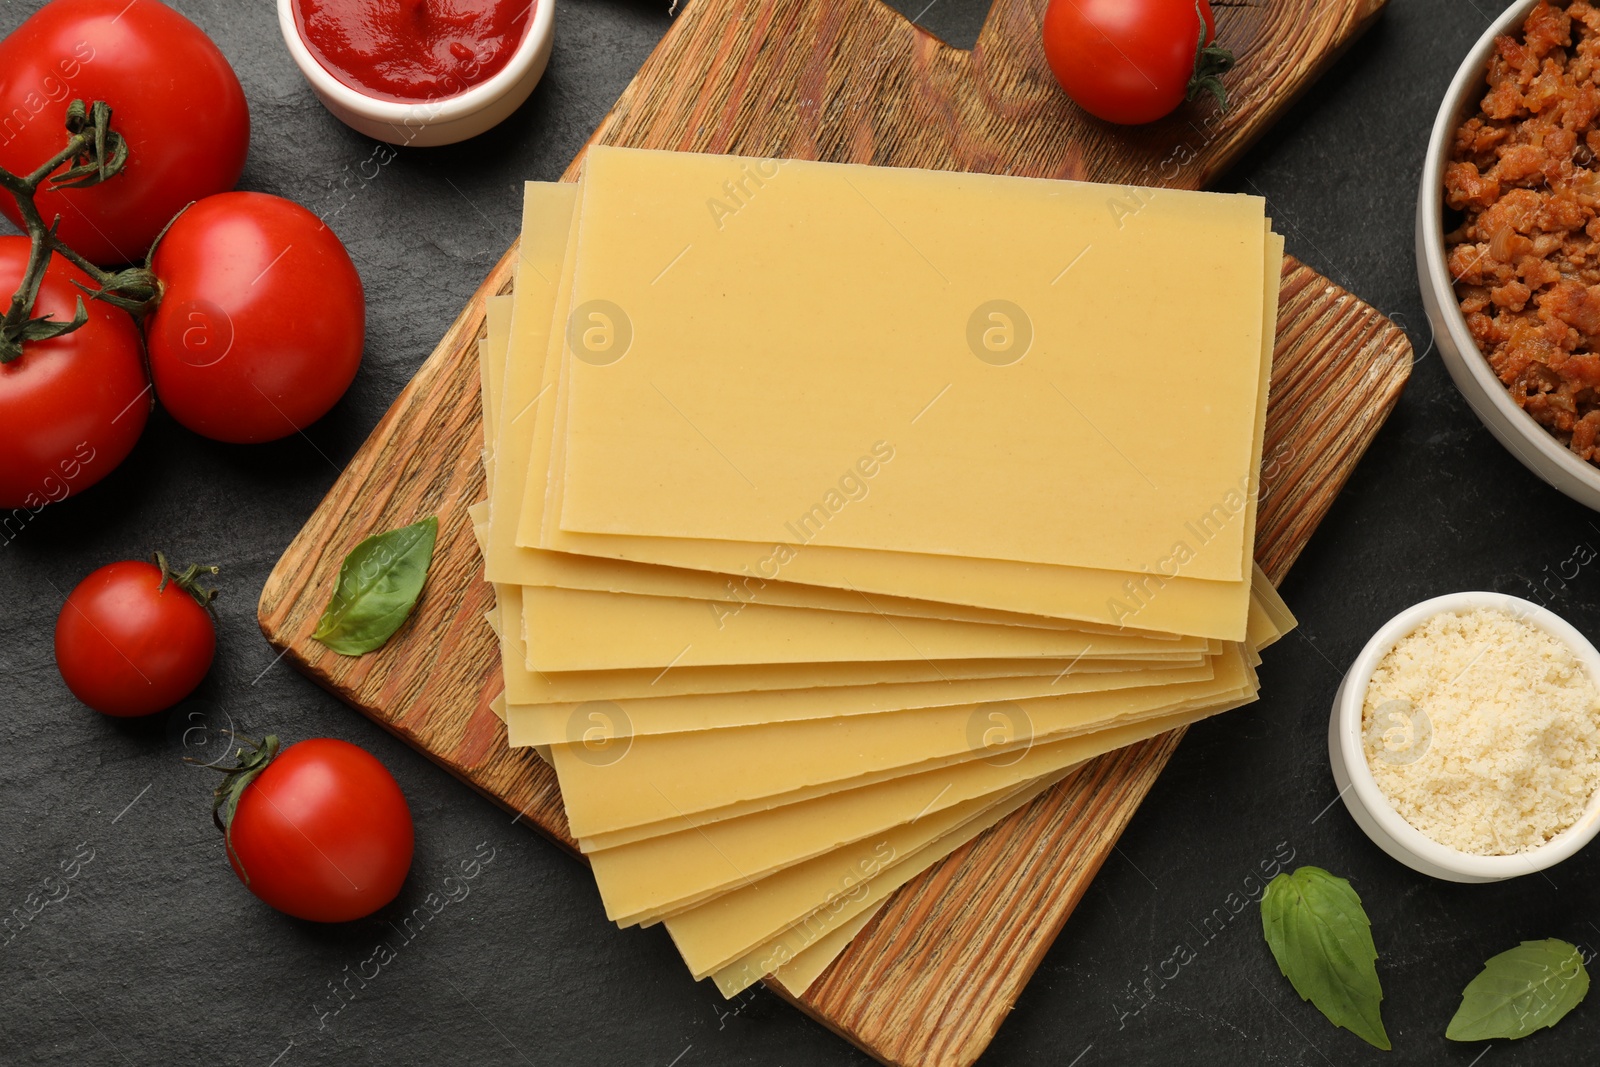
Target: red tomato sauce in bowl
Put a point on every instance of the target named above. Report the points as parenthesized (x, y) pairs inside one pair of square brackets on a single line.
[(409, 50)]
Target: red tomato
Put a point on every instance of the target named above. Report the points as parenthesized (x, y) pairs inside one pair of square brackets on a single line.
[(71, 408), (173, 97), (125, 646), (323, 833), (261, 321), (1126, 61)]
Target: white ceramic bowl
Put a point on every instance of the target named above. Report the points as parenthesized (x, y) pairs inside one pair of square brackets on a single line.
[(430, 122), (1531, 443), (1372, 810)]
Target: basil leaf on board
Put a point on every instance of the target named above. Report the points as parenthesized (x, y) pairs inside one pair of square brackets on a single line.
[(1317, 931), (379, 583), (1519, 991)]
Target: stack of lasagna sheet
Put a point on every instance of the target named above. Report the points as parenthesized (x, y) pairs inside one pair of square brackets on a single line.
[(836, 512)]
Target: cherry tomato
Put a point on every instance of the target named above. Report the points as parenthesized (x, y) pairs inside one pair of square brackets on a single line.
[(323, 833), (173, 98), (261, 321), (71, 408), (1126, 61), (132, 641)]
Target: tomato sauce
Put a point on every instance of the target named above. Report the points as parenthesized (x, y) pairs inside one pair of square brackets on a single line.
[(407, 50)]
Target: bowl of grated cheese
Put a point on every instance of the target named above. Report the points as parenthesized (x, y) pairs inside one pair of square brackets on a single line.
[(1465, 738)]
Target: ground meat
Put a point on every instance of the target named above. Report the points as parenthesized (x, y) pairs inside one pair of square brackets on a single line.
[(1524, 173)]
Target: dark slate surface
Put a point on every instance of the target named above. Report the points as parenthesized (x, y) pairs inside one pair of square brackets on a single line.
[(157, 955)]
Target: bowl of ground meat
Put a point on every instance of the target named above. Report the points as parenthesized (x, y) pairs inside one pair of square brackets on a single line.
[(1508, 238)]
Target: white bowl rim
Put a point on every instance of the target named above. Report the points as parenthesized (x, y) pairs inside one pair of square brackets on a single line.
[(1370, 796), (424, 112), (1430, 218)]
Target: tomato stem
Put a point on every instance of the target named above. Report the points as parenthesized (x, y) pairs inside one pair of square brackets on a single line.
[(225, 800), (1211, 62), (187, 580), (96, 153)]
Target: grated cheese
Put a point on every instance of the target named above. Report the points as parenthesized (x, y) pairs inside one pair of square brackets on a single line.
[(1483, 732)]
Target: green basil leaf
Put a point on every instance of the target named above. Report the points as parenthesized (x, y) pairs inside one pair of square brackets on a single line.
[(379, 583), (1519, 991), (1322, 940)]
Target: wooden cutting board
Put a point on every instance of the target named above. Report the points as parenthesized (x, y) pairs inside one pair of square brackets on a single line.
[(929, 981)]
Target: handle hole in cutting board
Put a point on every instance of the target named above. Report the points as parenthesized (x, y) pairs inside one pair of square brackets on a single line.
[(955, 22)]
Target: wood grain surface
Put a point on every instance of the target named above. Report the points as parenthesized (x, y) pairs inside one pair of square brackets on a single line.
[(929, 981)]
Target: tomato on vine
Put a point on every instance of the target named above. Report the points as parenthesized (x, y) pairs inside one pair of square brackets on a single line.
[(1134, 61), (320, 831), (179, 107), (72, 406), (136, 638), (261, 320)]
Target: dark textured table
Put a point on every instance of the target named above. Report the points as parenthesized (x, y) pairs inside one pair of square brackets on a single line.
[(156, 954)]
